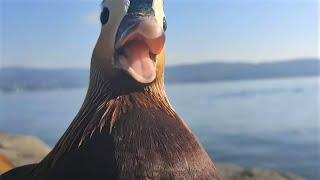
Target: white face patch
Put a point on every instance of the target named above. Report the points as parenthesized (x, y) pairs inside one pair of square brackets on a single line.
[(131, 38), (117, 11), (159, 11), (108, 3)]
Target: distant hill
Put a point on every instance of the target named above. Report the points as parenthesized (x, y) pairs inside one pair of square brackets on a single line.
[(243, 71), (19, 79)]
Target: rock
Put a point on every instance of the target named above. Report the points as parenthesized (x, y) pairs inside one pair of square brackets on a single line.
[(22, 150), (5, 165), (233, 172)]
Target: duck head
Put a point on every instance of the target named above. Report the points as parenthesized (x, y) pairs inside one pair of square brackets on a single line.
[(131, 42)]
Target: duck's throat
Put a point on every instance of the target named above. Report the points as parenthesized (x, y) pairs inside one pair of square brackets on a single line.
[(104, 105)]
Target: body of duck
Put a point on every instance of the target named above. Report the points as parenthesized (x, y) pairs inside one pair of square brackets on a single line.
[(126, 127)]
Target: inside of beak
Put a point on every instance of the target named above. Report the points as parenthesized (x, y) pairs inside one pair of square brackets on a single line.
[(137, 45)]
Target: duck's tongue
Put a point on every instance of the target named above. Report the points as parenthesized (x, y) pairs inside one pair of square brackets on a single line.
[(138, 62)]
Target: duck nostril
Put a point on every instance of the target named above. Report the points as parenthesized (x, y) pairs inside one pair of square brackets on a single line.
[(139, 14)]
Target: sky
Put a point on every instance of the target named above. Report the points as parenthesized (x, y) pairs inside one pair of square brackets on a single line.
[(63, 33)]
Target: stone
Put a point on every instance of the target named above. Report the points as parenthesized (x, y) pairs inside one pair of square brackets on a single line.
[(22, 150)]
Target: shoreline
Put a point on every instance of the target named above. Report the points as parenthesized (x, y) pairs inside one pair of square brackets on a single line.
[(22, 150)]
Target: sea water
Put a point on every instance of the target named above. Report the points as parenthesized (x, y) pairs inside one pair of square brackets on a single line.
[(261, 123)]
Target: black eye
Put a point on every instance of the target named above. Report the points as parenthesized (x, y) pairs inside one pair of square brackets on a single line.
[(164, 24), (104, 17)]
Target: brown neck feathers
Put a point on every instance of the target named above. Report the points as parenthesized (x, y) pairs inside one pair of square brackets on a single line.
[(105, 103)]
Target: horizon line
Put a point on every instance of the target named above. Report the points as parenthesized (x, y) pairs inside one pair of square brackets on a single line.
[(173, 65)]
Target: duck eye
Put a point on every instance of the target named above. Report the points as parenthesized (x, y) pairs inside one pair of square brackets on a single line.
[(164, 24), (104, 17)]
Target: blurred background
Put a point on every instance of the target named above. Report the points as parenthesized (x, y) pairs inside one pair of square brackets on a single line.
[(243, 74)]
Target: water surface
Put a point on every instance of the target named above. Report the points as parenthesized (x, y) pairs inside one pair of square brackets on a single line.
[(263, 123)]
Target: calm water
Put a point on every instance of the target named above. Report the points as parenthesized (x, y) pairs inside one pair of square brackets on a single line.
[(265, 123)]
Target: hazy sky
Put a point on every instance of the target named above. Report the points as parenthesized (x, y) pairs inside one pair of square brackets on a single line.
[(62, 33)]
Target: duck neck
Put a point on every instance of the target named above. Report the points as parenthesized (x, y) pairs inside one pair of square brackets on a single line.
[(105, 103)]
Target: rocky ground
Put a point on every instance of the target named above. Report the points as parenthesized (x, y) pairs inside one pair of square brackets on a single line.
[(22, 150)]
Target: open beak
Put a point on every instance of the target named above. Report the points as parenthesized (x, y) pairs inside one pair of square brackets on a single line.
[(139, 40)]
